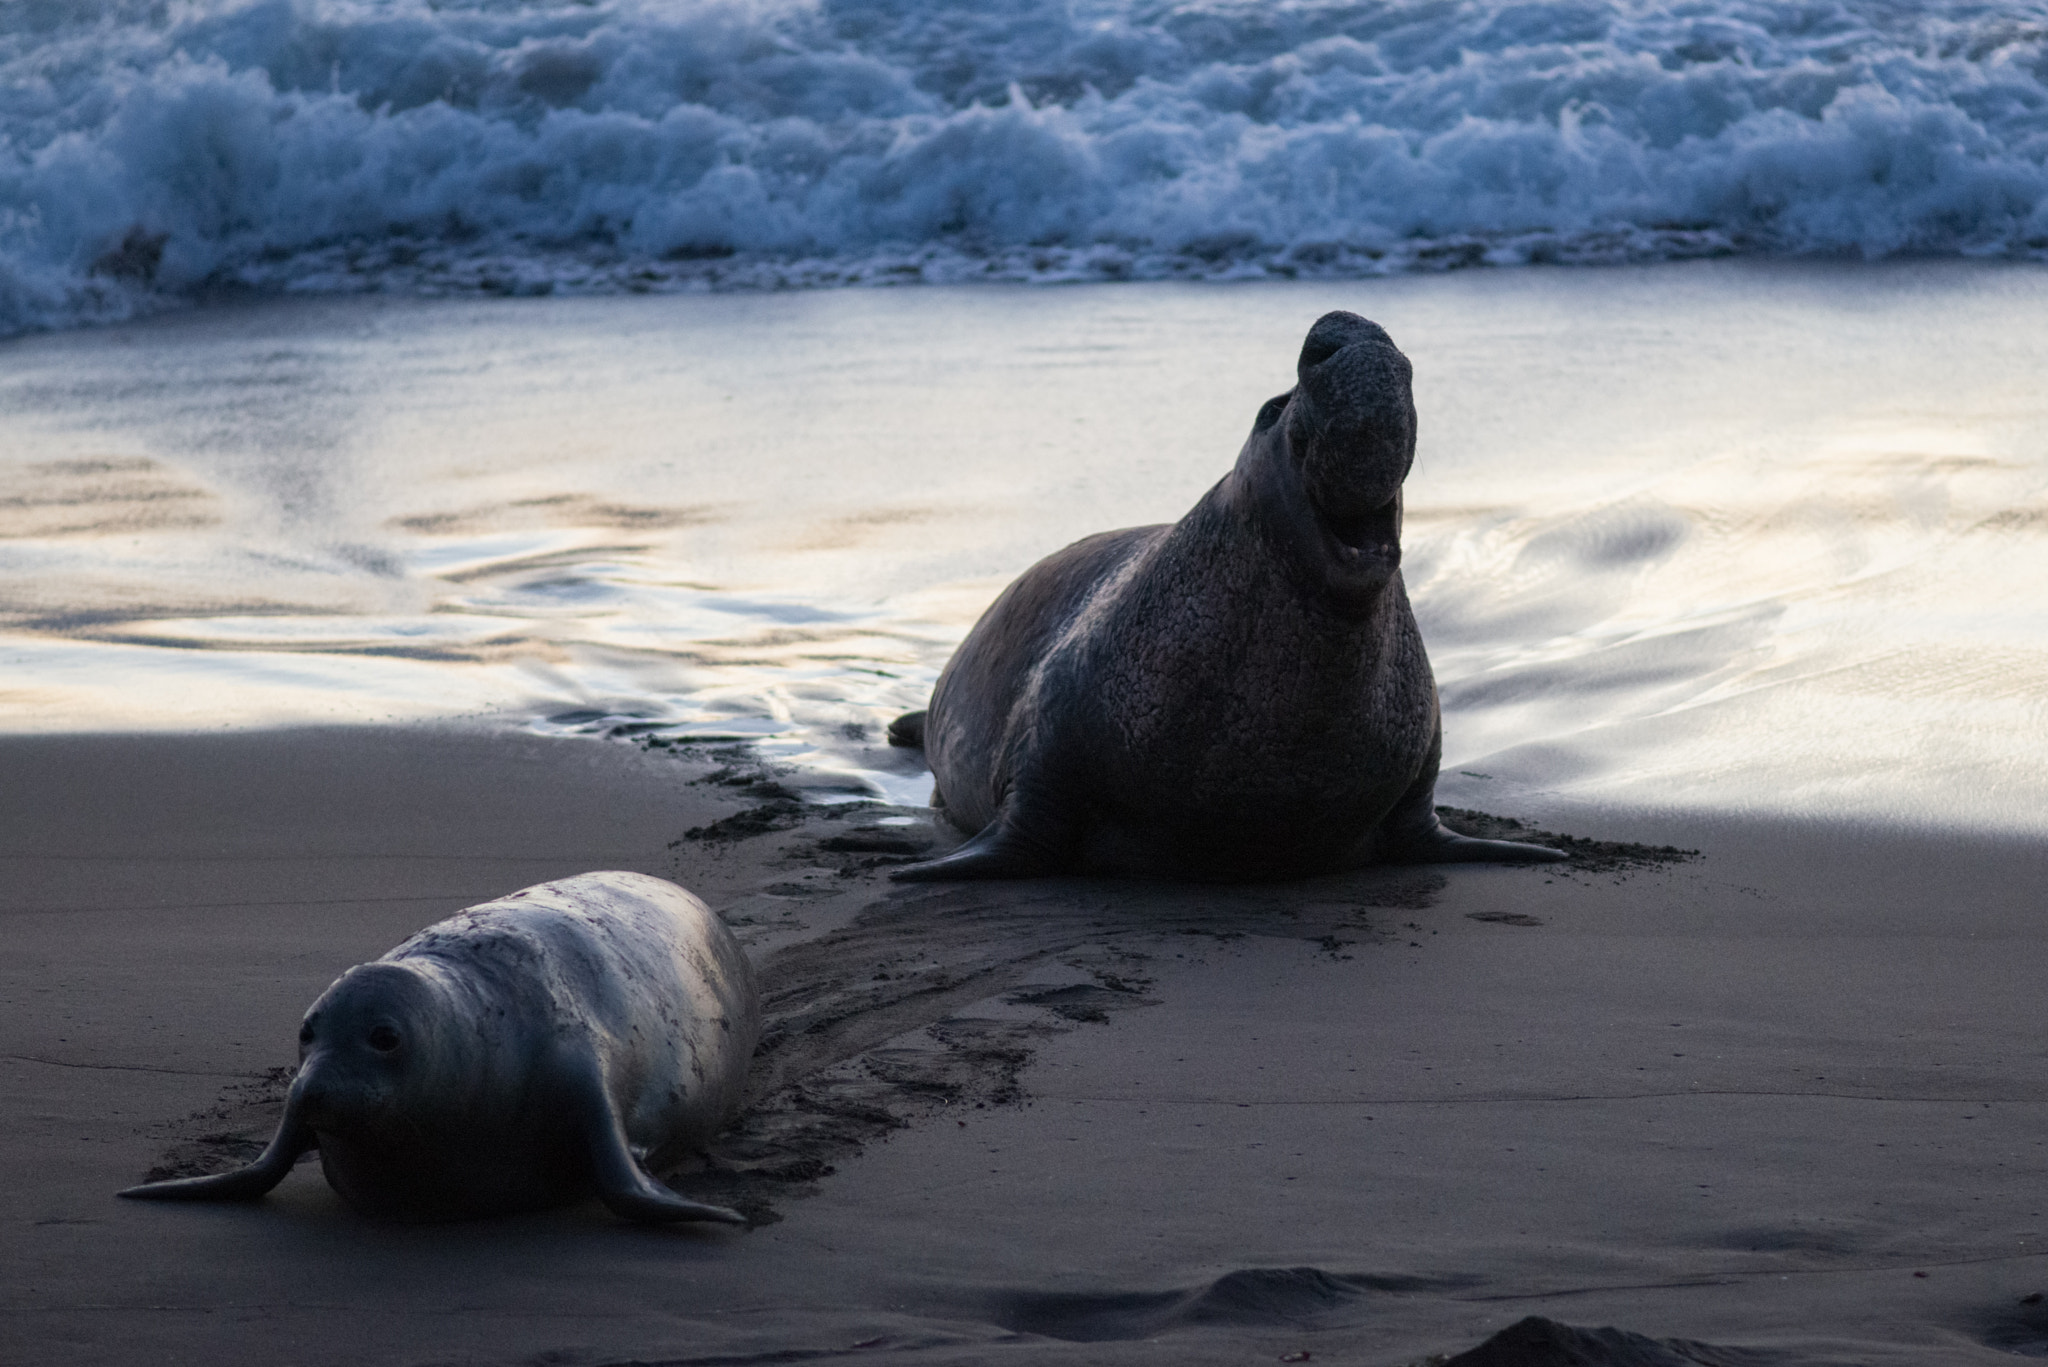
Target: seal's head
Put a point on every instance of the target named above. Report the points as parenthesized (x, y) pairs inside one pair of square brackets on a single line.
[(1348, 427), (375, 1042), (1351, 426)]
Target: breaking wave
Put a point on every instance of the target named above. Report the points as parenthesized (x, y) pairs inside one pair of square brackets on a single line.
[(151, 149)]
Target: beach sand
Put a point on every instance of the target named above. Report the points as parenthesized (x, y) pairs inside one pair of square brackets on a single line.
[(1786, 1098), (478, 493)]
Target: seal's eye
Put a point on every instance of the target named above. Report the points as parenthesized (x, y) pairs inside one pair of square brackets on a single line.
[(383, 1038), (306, 1033)]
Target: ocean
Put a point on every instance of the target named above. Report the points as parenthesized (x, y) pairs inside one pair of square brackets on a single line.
[(154, 150), (531, 362)]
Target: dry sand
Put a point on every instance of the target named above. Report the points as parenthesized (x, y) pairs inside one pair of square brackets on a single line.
[(1783, 1103)]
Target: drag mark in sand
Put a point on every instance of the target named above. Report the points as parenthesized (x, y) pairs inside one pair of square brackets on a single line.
[(885, 1005)]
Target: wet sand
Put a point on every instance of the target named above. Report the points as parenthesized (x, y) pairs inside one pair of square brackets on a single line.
[(1785, 1100)]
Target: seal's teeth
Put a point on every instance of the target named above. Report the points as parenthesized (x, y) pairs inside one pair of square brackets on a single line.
[(1373, 530)]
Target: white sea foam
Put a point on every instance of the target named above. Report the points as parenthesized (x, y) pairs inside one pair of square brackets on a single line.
[(153, 148)]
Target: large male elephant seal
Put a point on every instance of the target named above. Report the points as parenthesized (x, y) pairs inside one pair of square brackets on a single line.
[(1240, 695), (523, 1053)]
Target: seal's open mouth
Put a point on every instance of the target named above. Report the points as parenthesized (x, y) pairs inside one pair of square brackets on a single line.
[(1375, 532)]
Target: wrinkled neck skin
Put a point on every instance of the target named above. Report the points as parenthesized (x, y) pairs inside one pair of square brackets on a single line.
[(1342, 548)]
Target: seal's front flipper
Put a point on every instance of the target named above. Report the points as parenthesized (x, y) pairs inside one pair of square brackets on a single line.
[(1411, 833), (907, 731), (1440, 845), (243, 1184), (998, 852), (622, 1184)]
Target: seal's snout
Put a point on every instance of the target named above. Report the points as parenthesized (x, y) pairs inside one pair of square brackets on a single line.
[(324, 1101), (342, 1087), (1332, 333), (1351, 426)]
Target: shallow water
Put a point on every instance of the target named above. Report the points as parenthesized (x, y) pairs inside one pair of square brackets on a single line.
[(1731, 536)]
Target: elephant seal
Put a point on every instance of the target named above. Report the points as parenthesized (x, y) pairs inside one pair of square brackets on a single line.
[(565, 1039), (1241, 695)]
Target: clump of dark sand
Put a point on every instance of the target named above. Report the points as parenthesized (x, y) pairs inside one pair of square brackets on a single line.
[(1540, 1342)]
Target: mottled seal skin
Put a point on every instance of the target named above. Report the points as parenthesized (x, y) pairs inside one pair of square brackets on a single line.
[(1241, 695), (564, 1040)]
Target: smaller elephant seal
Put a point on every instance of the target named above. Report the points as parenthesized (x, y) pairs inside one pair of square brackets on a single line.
[(1240, 695), (566, 1039)]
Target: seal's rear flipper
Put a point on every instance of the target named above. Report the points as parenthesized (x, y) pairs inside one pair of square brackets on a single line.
[(907, 731), (998, 852), (243, 1184), (622, 1184)]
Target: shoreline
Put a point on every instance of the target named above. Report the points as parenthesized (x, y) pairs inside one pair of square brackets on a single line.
[(775, 516), (1079, 1120)]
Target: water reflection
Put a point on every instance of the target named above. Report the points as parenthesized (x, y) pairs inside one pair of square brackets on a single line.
[(1727, 535)]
